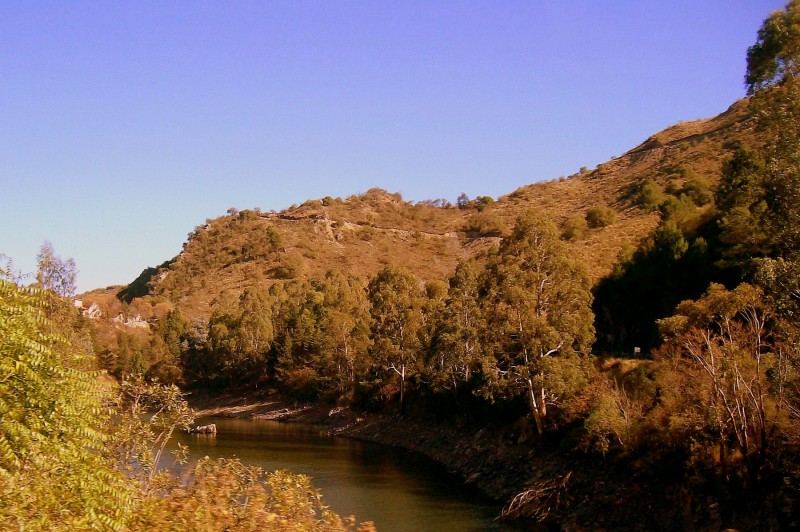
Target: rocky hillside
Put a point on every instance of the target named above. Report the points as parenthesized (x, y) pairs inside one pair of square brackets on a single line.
[(363, 233)]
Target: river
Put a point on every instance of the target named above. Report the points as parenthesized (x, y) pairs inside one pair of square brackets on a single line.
[(394, 488)]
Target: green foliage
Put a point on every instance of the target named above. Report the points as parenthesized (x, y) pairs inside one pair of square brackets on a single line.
[(53, 472), (141, 286), (485, 224), (698, 190), (574, 227), (69, 462), (454, 355), (291, 267), (346, 337), (273, 240), (664, 270), (772, 65), (481, 202), (739, 368), (780, 122), (780, 280), (538, 317), (742, 202), (240, 336), (322, 335), (600, 216), (682, 212), (147, 415), (606, 420), (774, 58), (227, 495), (651, 195), (396, 307)]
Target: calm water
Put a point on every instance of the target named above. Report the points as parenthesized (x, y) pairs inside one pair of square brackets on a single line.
[(396, 489)]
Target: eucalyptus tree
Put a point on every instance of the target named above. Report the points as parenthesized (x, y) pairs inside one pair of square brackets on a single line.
[(775, 57), (739, 374), (396, 301), (773, 64), (347, 329), (537, 307), (457, 346), (240, 335)]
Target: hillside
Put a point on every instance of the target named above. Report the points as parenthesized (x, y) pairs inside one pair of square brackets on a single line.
[(363, 233)]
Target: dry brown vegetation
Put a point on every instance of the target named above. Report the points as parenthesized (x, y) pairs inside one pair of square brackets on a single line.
[(364, 233)]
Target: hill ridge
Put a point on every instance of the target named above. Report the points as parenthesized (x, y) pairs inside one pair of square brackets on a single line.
[(365, 232)]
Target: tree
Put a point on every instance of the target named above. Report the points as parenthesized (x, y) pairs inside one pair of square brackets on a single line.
[(53, 470), (255, 331), (457, 344), (240, 335), (396, 300), (54, 273), (433, 307), (70, 462), (772, 68), (225, 494), (666, 269), (728, 337), (574, 227), (347, 326), (300, 323), (651, 195), (741, 200), (167, 348), (147, 416), (775, 57), (538, 318)]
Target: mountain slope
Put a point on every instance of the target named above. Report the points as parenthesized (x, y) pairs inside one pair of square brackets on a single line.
[(363, 233)]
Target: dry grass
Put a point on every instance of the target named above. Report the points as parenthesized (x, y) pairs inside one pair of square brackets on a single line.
[(364, 233)]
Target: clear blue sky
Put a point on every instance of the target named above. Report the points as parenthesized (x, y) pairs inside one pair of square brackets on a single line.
[(123, 125)]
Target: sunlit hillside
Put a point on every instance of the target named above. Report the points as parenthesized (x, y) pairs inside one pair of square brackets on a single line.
[(363, 233)]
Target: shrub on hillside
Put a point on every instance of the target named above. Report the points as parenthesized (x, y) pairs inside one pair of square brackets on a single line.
[(574, 228), (290, 268), (699, 191), (486, 224), (600, 216), (651, 195)]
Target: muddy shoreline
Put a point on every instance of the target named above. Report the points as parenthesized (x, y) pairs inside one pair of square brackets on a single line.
[(478, 457), (588, 492)]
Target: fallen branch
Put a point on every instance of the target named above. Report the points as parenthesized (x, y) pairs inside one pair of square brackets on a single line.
[(538, 501)]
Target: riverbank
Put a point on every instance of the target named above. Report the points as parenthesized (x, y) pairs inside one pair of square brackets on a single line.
[(566, 489), (494, 466)]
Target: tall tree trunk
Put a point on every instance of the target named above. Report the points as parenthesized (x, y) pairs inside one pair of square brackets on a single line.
[(402, 388), (535, 408)]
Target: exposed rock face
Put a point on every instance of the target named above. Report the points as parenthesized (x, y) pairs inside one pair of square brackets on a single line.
[(93, 312), (135, 322)]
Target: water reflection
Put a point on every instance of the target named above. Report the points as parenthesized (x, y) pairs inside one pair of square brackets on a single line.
[(396, 489)]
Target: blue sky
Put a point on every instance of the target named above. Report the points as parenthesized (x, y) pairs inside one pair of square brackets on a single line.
[(123, 125)]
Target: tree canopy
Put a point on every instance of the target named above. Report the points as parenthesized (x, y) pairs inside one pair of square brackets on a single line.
[(775, 57), (55, 273)]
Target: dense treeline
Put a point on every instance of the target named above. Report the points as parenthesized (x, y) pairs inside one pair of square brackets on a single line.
[(80, 452), (725, 236), (711, 297), (519, 326)]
